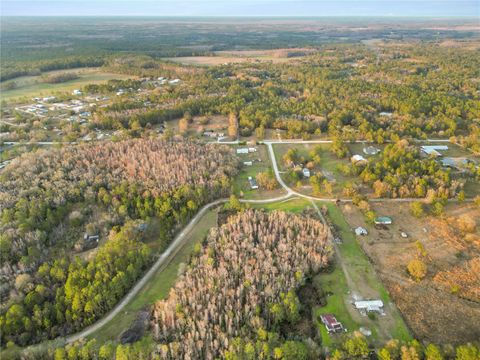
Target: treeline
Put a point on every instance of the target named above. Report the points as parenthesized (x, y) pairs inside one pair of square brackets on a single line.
[(240, 284), (141, 179), (11, 70)]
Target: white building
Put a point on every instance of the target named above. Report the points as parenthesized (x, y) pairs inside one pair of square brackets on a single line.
[(366, 306), (433, 149), (76, 92), (242, 151), (306, 172)]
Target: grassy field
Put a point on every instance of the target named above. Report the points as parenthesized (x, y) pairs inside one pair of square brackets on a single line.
[(159, 285), (367, 282), (31, 86)]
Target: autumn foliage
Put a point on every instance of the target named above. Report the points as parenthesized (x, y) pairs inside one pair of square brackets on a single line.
[(232, 288)]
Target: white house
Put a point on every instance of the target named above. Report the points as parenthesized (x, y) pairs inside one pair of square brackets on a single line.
[(248, 163), (242, 151), (306, 172), (366, 306)]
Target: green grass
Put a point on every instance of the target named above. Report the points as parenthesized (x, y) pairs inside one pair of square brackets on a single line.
[(293, 205), (335, 284), (31, 86), (159, 285)]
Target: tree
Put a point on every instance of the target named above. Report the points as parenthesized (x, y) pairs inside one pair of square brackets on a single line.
[(432, 352), (233, 126), (356, 345), (417, 269), (467, 352), (267, 180), (183, 126), (416, 209)]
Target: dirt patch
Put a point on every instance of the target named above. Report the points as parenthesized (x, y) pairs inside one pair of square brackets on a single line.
[(449, 294)]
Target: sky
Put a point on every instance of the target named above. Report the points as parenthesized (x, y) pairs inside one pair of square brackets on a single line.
[(240, 8)]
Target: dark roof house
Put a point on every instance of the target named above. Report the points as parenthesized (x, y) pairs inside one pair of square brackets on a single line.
[(331, 323)]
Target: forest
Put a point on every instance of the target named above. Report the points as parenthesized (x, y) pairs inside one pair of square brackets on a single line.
[(48, 292), (240, 284)]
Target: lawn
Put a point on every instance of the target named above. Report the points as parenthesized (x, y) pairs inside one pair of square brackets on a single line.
[(31, 86), (159, 285)]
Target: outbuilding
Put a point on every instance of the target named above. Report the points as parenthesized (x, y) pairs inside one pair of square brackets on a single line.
[(306, 172), (253, 183), (360, 231)]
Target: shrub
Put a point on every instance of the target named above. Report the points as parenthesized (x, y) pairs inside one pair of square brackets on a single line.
[(417, 269)]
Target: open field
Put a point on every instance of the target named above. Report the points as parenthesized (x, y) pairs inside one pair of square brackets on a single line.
[(159, 285), (240, 56), (32, 86), (447, 294)]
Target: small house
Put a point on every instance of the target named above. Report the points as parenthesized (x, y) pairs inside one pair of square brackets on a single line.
[(242, 151), (253, 183), (358, 159), (331, 323), (248, 163), (366, 306), (360, 231), (306, 173), (383, 220)]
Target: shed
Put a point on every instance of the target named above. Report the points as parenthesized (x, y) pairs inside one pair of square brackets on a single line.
[(253, 183), (248, 163), (306, 172), (361, 231), (242, 151)]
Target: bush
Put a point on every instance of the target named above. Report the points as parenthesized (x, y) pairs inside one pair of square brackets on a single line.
[(417, 269)]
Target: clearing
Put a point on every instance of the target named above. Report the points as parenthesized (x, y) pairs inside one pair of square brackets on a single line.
[(449, 294), (32, 86)]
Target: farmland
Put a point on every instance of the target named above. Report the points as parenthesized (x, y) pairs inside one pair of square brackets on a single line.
[(33, 86)]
